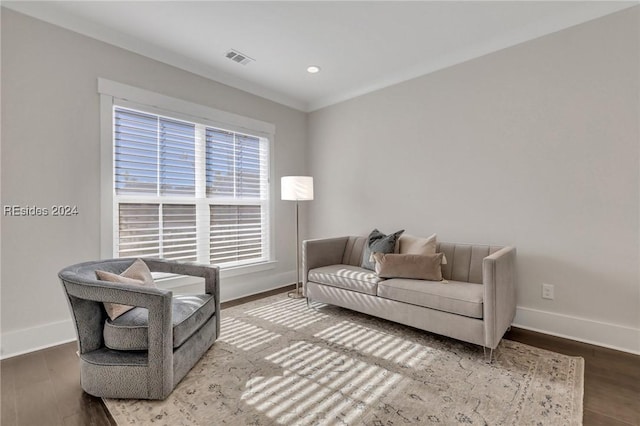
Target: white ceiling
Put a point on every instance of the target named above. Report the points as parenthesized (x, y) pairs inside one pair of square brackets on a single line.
[(360, 46)]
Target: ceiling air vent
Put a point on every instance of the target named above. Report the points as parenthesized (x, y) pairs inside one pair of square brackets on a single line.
[(238, 57)]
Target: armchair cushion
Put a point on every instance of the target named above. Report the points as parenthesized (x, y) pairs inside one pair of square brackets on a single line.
[(130, 330)]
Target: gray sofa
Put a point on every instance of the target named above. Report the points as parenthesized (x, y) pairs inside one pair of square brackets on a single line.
[(477, 305)]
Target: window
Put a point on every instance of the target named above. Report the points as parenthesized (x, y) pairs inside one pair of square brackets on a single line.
[(189, 190)]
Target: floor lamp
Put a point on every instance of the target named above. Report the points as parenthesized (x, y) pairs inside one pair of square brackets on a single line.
[(296, 188)]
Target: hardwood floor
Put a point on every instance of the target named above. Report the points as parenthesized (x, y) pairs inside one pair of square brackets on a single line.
[(43, 388)]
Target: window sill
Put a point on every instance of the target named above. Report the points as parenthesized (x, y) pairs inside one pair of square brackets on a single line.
[(172, 281)]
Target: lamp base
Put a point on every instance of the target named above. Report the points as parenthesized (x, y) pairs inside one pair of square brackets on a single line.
[(296, 294)]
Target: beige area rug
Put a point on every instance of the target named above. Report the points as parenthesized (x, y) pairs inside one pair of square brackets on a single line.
[(278, 362)]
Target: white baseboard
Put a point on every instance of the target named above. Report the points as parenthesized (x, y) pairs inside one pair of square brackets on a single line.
[(248, 286), (613, 336), (32, 339)]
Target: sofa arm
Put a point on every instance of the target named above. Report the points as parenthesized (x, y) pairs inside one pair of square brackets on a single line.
[(321, 252), (499, 279)]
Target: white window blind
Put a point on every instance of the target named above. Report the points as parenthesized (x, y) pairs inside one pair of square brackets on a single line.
[(235, 233), (179, 183), (179, 232), (139, 229), (234, 165), (153, 155)]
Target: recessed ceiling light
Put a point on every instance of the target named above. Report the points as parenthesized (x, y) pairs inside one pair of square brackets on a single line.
[(313, 69)]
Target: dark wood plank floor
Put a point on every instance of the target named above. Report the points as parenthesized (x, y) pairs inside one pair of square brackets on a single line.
[(43, 388)]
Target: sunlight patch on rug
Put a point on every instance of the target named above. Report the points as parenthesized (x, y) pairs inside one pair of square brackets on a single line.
[(244, 336), (317, 384), (377, 344), (292, 313)]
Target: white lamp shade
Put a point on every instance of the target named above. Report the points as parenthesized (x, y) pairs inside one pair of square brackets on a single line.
[(296, 188)]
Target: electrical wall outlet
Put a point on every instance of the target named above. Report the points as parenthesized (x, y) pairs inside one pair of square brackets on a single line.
[(547, 291)]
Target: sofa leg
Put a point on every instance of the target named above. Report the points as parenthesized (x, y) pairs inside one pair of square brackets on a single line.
[(488, 354), (310, 303)]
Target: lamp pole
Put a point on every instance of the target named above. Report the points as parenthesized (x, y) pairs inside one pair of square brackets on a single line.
[(297, 293)]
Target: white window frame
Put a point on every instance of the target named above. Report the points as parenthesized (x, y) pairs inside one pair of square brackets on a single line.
[(117, 94)]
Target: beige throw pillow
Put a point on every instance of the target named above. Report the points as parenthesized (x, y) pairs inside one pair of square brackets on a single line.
[(414, 266), (409, 244), (138, 274)]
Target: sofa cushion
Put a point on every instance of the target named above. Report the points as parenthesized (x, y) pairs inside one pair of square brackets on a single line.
[(130, 330), (347, 277), (455, 297), (377, 242)]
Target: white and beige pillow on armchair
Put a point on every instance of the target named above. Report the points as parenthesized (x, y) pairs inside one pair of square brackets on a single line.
[(138, 274)]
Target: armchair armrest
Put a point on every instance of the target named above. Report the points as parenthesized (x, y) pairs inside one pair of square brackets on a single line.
[(104, 291), (156, 300), (499, 303), (321, 252), (210, 273)]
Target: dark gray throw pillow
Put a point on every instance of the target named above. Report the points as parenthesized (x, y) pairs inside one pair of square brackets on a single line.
[(377, 242)]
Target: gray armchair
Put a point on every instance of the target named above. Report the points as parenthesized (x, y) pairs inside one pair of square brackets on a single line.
[(144, 353)]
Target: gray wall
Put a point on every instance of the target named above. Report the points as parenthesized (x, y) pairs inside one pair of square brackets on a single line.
[(534, 146), (50, 155)]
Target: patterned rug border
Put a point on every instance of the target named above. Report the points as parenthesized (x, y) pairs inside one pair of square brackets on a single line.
[(180, 410)]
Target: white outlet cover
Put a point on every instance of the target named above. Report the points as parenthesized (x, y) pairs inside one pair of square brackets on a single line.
[(547, 291)]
